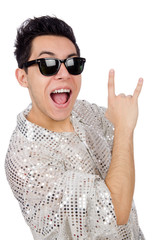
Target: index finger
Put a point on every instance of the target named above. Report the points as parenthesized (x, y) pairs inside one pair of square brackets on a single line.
[(111, 85)]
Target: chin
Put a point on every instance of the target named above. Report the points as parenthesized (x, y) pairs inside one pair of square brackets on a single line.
[(60, 117)]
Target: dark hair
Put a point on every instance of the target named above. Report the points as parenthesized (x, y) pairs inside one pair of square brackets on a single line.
[(35, 27)]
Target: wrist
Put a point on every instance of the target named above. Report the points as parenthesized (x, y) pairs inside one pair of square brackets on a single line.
[(125, 131)]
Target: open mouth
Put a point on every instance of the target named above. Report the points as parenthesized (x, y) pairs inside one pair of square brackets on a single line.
[(61, 96)]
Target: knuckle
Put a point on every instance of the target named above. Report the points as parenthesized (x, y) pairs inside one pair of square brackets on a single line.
[(110, 84), (138, 88), (121, 95)]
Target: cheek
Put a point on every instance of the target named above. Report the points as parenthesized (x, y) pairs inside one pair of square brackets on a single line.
[(78, 83), (37, 83), (36, 89)]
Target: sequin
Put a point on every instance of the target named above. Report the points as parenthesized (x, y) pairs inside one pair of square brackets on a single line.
[(58, 178)]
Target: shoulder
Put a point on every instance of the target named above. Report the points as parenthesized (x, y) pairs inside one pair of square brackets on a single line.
[(83, 106), (93, 115), (89, 113)]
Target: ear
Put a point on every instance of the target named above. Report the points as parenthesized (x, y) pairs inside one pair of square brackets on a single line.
[(21, 76)]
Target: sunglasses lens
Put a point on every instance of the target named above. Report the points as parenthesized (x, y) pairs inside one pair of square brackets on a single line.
[(49, 67), (75, 65)]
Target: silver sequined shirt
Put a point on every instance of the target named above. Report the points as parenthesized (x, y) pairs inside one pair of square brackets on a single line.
[(58, 178)]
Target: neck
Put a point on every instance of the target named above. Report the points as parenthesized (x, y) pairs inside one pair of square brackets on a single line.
[(51, 124)]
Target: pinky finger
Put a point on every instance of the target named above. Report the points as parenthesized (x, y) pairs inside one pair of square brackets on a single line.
[(138, 89)]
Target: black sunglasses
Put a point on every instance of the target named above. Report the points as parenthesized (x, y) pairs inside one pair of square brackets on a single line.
[(50, 66)]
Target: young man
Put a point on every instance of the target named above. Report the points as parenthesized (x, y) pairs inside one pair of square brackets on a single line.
[(70, 163)]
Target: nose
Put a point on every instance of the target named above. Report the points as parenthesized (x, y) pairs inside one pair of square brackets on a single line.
[(62, 73)]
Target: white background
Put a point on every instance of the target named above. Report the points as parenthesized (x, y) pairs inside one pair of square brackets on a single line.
[(119, 34)]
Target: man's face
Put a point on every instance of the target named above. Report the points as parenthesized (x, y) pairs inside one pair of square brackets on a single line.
[(46, 107)]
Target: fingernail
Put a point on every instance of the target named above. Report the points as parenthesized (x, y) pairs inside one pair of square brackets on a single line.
[(140, 80), (112, 70)]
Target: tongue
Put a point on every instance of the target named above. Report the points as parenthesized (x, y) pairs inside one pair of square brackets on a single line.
[(60, 98)]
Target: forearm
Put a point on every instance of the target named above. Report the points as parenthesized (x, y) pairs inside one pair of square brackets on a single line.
[(121, 175)]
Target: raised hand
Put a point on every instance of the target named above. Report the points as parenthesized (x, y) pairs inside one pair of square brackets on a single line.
[(122, 110)]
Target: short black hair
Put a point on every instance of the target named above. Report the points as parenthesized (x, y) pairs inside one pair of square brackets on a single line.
[(39, 26)]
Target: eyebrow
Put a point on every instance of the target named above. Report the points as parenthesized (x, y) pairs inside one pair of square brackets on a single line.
[(46, 52), (53, 54)]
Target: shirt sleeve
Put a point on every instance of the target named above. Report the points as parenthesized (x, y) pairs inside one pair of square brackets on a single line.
[(106, 125), (59, 204)]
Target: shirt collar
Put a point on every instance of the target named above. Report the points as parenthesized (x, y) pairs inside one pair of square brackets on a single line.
[(34, 132)]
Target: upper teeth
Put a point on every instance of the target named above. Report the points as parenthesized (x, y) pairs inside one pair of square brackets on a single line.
[(61, 91)]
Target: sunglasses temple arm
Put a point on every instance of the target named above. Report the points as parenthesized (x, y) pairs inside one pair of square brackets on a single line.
[(28, 64)]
